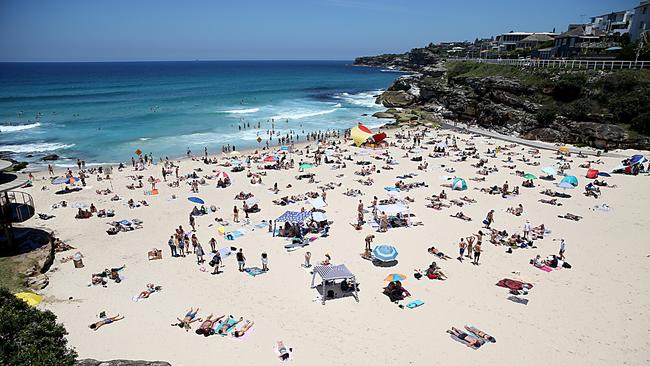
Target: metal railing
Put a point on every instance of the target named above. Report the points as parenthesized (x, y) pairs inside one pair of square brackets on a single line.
[(17, 206), (566, 64)]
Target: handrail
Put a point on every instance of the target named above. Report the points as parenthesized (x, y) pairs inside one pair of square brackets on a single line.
[(17, 199), (566, 64)]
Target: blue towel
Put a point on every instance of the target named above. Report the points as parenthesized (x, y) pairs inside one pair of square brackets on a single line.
[(254, 271), (414, 304), (230, 326)]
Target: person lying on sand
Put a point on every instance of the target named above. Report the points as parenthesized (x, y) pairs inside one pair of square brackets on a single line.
[(284, 352), (151, 288), (105, 321), (206, 327), (240, 332), (187, 321), (553, 202), (438, 253), (480, 333), (468, 340), (460, 215), (225, 325), (570, 216)]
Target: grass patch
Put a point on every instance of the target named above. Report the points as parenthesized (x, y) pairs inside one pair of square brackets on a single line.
[(11, 277)]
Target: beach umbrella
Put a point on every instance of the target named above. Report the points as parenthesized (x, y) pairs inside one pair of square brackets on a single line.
[(196, 200), (549, 170), (571, 179), (221, 174), (79, 205), (459, 184), (72, 180), (603, 174), (566, 185), (235, 153), (306, 166), (564, 149), (384, 253), (395, 277), (270, 159), (637, 159), (59, 180), (30, 298), (251, 201), (529, 176)]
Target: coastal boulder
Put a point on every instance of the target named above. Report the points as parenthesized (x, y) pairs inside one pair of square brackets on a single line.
[(383, 115), (397, 98), (91, 362), (50, 157)]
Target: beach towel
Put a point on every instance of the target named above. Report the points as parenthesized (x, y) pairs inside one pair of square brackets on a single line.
[(246, 335), (464, 343), (261, 225), (414, 304), (230, 325), (513, 284), (518, 300), (392, 189), (235, 234), (545, 268), (254, 271)]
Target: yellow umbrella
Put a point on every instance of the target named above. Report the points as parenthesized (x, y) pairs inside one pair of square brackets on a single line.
[(235, 153), (30, 298), (221, 230), (564, 149)]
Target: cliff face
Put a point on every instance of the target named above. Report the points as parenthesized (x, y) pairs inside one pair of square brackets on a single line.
[(600, 109)]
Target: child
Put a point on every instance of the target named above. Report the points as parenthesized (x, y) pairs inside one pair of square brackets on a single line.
[(265, 262)]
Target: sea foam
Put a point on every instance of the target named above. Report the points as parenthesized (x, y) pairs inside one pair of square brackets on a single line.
[(15, 128), (242, 111), (35, 148)]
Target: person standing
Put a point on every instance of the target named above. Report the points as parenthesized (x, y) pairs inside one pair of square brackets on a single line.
[(192, 223), (489, 219), (265, 262), (235, 214), (526, 229), (213, 245), (562, 248), (470, 246), (477, 252), (216, 261), (198, 250), (241, 260), (172, 246), (461, 249), (369, 240)]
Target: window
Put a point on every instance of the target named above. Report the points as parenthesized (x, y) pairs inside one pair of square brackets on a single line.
[(644, 9), (642, 25)]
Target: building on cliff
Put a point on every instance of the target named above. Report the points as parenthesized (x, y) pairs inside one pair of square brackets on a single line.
[(640, 21)]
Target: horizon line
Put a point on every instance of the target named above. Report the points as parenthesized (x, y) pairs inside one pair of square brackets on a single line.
[(196, 60)]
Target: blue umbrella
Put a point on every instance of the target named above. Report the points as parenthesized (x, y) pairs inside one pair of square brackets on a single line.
[(59, 180), (195, 200), (549, 170), (385, 253), (637, 159), (571, 179), (604, 174), (459, 184), (566, 185)]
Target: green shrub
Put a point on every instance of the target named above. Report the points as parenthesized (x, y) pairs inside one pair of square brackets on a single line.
[(569, 87), (641, 123), (29, 336), (546, 114), (627, 106)]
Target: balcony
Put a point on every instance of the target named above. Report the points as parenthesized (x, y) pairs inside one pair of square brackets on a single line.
[(16, 207)]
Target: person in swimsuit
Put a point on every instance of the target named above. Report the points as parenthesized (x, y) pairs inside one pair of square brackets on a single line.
[(480, 333), (105, 321), (187, 321), (438, 253), (206, 326), (283, 351), (243, 330), (467, 339)]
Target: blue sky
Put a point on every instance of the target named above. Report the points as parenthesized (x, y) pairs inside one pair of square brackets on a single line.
[(113, 30)]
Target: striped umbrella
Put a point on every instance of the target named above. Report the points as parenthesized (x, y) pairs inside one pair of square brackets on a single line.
[(384, 253), (395, 277)]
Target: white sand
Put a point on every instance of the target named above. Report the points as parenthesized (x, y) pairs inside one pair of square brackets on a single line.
[(596, 313)]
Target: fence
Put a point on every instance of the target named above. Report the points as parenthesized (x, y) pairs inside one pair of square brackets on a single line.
[(567, 64)]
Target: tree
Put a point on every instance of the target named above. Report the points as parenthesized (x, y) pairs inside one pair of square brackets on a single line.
[(29, 336)]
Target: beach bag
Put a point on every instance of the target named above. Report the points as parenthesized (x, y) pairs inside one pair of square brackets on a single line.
[(485, 222), (592, 173)]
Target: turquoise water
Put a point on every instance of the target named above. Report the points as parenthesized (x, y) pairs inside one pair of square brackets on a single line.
[(103, 112)]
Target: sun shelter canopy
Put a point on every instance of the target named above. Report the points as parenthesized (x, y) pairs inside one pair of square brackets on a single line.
[(393, 209), (333, 273), (363, 135), (317, 202), (294, 217), (318, 216)]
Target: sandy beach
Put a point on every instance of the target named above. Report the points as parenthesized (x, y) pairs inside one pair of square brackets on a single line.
[(595, 313)]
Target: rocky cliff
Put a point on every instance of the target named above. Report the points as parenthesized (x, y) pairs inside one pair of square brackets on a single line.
[(91, 362), (596, 108)]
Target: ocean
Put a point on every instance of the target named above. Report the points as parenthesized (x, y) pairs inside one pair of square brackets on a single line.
[(104, 112)]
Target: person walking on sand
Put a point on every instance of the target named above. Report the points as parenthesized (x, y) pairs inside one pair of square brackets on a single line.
[(235, 214), (172, 246), (241, 260), (198, 250), (265, 262), (526, 229), (307, 263), (192, 223), (213, 245), (369, 239), (562, 248), (461, 249), (50, 169), (489, 219), (216, 261)]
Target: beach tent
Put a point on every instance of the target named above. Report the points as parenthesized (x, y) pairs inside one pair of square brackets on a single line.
[(592, 173), (571, 180), (318, 216), (459, 184), (637, 159), (293, 217), (362, 135), (333, 273)]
